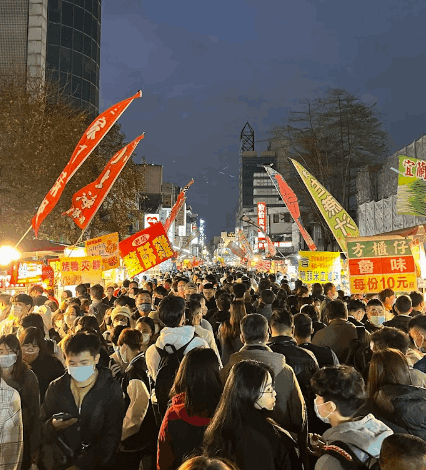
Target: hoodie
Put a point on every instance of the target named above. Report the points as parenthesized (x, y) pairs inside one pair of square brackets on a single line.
[(180, 435), (177, 337), (365, 437)]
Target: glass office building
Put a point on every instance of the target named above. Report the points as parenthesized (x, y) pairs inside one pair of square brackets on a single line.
[(73, 48)]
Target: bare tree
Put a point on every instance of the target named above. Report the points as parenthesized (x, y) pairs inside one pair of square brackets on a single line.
[(39, 129)]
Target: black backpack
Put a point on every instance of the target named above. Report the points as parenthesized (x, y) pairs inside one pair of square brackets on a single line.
[(348, 459), (167, 369), (359, 354)]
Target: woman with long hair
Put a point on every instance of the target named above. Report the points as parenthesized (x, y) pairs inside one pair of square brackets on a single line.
[(392, 397), (241, 430), (17, 374), (229, 331), (195, 394), (193, 316), (35, 353)]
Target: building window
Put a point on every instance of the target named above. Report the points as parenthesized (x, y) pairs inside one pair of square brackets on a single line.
[(275, 218)]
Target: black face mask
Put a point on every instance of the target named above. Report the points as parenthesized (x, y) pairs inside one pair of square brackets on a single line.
[(157, 300)]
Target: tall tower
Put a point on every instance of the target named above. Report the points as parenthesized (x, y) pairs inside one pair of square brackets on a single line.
[(246, 145), (247, 139)]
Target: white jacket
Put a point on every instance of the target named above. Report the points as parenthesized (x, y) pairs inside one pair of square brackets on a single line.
[(178, 337)]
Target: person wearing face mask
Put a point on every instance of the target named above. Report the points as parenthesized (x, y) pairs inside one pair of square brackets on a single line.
[(139, 433), (21, 306), (146, 326), (19, 376), (120, 316), (374, 316), (70, 316), (339, 333), (340, 391), (144, 303), (159, 293), (89, 408), (240, 429)]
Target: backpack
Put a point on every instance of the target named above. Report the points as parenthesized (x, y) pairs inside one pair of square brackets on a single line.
[(167, 369), (359, 353), (347, 458)]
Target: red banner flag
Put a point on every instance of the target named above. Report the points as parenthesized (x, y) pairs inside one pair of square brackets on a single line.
[(177, 207), (86, 201), (290, 200), (271, 248), (145, 249), (90, 140)]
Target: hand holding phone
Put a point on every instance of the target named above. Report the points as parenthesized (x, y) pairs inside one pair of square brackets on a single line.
[(61, 421)]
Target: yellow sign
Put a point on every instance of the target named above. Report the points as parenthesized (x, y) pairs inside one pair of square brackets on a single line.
[(107, 247), (74, 271), (405, 282), (319, 266)]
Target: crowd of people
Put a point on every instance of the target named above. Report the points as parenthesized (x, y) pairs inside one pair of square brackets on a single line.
[(212, 369)]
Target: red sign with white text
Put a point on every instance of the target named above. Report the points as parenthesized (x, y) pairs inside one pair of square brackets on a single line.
[(146, 249)]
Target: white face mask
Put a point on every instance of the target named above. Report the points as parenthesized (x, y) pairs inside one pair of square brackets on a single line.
[(377, 320), (17, 311), (122, 323), (8, 360), (123, 356), (82, 373), (324, 419), (145, 338)]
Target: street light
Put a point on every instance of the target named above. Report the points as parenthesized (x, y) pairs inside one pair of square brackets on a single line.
[(8, 254)]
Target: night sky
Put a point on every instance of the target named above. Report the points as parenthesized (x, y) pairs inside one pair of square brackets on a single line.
[(206, 68)]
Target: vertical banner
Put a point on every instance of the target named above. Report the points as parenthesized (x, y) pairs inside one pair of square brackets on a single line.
[(145, 249), (90, 140), (261, 222), (178, 206), (291, 201), (244, 243), (86, 201), (381, 263), (105, 246), (319, 266), (411, 187), (339, 221)]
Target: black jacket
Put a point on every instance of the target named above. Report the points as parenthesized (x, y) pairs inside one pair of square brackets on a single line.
[(46, 368), (405, 406), (323, 354), (100, 419), (400, 322), (303, 362)]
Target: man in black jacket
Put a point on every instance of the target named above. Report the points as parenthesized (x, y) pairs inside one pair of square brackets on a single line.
[(403, 308), (90, 430), (302, 361)]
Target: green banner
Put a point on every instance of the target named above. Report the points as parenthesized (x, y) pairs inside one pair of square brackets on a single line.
[(411, 198), (339, 221)]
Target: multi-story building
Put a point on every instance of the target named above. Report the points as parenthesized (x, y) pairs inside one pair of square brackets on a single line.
[(256, 187), (59, 39)]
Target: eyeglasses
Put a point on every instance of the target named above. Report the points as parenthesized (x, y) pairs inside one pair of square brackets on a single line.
[(268, 390)]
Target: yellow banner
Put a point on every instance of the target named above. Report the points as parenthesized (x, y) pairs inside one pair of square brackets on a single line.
[(339, 221), (74, 271), (106, 247), (319, 266)]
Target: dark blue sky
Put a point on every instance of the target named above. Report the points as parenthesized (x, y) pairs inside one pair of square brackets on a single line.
[(206, 68)]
